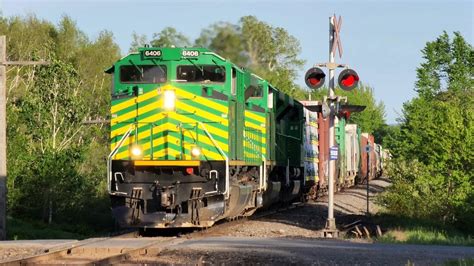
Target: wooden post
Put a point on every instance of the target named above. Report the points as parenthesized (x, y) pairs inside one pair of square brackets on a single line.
[(3, 139)]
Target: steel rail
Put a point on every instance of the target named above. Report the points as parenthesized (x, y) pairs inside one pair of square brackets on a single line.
[(55, 252)]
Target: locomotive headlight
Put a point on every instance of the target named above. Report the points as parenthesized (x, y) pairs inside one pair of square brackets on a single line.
[(136, 151), (196, 151), (169, 100)]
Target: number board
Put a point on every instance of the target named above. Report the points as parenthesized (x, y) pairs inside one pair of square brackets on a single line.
[(190, 53), (151, 53)]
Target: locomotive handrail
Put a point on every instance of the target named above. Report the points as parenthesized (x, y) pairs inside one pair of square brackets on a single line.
[(287, 136), (227, 179), (214, 54), (112, 154), (263, 174)]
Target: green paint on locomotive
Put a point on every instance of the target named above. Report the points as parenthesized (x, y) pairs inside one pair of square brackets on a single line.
[(340, 137)]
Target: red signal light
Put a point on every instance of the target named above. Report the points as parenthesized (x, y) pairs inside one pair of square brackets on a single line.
[(346, 114), (190, 170), (314, 78), (348, 79)]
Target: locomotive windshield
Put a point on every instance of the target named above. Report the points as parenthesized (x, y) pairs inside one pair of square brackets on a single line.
[(143, 74), (201, 73)]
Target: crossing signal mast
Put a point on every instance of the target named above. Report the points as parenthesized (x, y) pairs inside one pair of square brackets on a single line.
[(348, 80)]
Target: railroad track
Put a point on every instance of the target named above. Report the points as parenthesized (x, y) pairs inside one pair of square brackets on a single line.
[(96, 251), (122, 247)]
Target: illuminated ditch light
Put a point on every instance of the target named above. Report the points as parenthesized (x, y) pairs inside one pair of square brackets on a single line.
[(196, 151), (136, 151)]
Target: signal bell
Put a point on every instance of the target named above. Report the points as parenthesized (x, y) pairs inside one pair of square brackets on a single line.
[(348, 79), (314, 78)]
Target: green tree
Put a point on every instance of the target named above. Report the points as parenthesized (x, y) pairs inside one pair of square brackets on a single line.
[(271, 52), (448, 66), (225, 39), (386, 134), (436, 137), (68, 40), (138, 40), (52, 116), (56, 164), (28, 37), (95, 56), (169, 37)]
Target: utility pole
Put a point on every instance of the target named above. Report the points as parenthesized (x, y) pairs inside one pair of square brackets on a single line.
[(3, 130)]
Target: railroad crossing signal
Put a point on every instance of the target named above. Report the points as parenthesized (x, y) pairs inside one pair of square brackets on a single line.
[(348, 80)]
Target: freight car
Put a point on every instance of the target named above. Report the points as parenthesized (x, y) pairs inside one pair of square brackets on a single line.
[(195, 139), (352, 163)]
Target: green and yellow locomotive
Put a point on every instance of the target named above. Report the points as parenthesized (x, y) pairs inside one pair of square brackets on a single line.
[(195, 139)]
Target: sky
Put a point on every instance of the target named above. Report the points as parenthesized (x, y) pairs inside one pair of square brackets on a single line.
[(382, 40)]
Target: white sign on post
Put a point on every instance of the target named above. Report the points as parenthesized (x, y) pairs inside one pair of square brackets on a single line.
[(333, 153)]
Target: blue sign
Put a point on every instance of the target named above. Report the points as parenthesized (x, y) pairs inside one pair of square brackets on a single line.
[(333, 153)]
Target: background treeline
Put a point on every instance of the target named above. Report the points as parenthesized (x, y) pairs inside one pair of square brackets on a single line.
[(433, 146), (272, 53), (57, 164)]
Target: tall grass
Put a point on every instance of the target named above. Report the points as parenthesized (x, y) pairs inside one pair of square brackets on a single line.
[(419, 231), (425, 236), (22, 229)]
